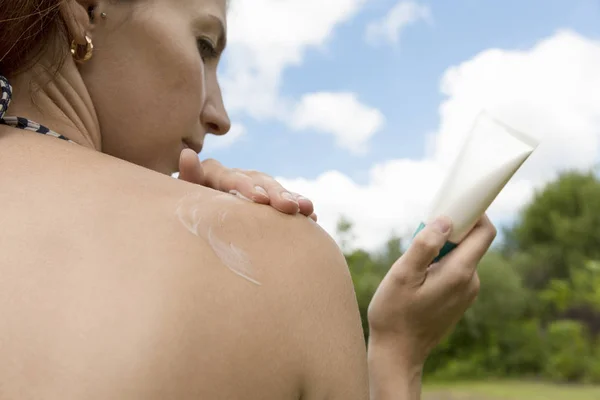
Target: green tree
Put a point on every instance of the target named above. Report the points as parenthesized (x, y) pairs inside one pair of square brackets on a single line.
[(367, 270), (581, 291), (492, 329), (569, 349), (392, 251), (345, 234), (538, 311), (559, 229)]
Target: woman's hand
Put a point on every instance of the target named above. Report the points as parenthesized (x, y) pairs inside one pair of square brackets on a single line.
[(251, 185), (418, 303)]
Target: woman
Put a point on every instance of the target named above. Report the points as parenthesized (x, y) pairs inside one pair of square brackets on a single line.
[(118, 282)]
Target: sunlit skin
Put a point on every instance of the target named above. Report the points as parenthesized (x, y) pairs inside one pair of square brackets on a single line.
[(105, 294)]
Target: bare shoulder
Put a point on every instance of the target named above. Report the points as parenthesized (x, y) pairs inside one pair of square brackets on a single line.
[(296, 297), (173, 290), (278, 308)]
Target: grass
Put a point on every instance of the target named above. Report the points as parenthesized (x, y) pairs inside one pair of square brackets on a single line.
[(509, 391)]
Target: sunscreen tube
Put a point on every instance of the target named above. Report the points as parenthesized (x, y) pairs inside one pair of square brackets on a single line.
[(488, 159)]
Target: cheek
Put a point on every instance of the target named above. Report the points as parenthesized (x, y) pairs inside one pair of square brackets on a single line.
[(188, 88), (148, 88), (182, 75)]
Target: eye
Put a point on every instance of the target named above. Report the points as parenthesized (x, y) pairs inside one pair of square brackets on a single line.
[(207, 49)]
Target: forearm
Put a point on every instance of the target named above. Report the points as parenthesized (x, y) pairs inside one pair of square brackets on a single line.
[(390, 377)]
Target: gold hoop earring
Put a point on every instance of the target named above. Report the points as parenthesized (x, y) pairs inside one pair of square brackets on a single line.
[(76, 50)]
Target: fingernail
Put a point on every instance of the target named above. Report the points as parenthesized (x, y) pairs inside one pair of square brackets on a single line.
[(261, 190), (442, 225), (289, 196)]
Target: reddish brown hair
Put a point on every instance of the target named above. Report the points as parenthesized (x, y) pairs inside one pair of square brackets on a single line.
[(29, 29)]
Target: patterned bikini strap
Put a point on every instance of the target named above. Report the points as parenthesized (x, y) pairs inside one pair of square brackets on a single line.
[(5, 95), (18, 122)]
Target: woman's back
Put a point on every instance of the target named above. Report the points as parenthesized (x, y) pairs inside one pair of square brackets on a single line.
[(118, 282)]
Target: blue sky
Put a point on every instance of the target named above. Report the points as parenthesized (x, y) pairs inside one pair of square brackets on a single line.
[(401, 80)]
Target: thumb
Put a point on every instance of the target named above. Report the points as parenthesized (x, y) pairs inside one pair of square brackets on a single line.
[(426, 246), (190, 168)]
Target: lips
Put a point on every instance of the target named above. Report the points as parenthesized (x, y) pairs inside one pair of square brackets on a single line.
[(196, 146)]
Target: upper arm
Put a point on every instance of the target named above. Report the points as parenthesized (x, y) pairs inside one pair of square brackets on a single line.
[(314, 284), (295, 332), (330, 327)]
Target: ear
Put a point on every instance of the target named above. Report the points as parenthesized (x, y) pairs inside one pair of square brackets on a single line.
[(76, 14)]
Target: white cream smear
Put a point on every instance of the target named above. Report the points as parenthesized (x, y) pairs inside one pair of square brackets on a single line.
[(189, 212)]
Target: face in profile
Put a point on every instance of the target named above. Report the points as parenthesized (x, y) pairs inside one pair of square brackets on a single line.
[(153, 78)]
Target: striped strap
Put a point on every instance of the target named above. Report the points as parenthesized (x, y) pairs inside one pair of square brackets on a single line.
[(5, 95), (18, 122)]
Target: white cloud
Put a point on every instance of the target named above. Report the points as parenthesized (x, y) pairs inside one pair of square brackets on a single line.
[(551, 91), (390, 27), (235, 134), (340, 114), (392, 201), (266, 37)]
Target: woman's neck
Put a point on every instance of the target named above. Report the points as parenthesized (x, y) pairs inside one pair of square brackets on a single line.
[(58, 101)]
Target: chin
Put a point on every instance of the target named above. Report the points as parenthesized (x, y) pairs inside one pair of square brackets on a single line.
[(169, 166)]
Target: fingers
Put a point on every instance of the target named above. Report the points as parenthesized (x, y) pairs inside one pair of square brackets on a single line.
[(190, 169), (465, 296), (257, 187), (458, 270), (281, 199), (464, 259), (236, 181), (478, 241), (473, 288), (425, 247), (306, 207), (233, 181), (213, 173)]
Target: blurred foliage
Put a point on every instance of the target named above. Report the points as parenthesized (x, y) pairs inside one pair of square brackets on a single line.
[(538, 312)]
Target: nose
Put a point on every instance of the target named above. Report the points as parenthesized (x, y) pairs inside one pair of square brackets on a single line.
[(214, 116)]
